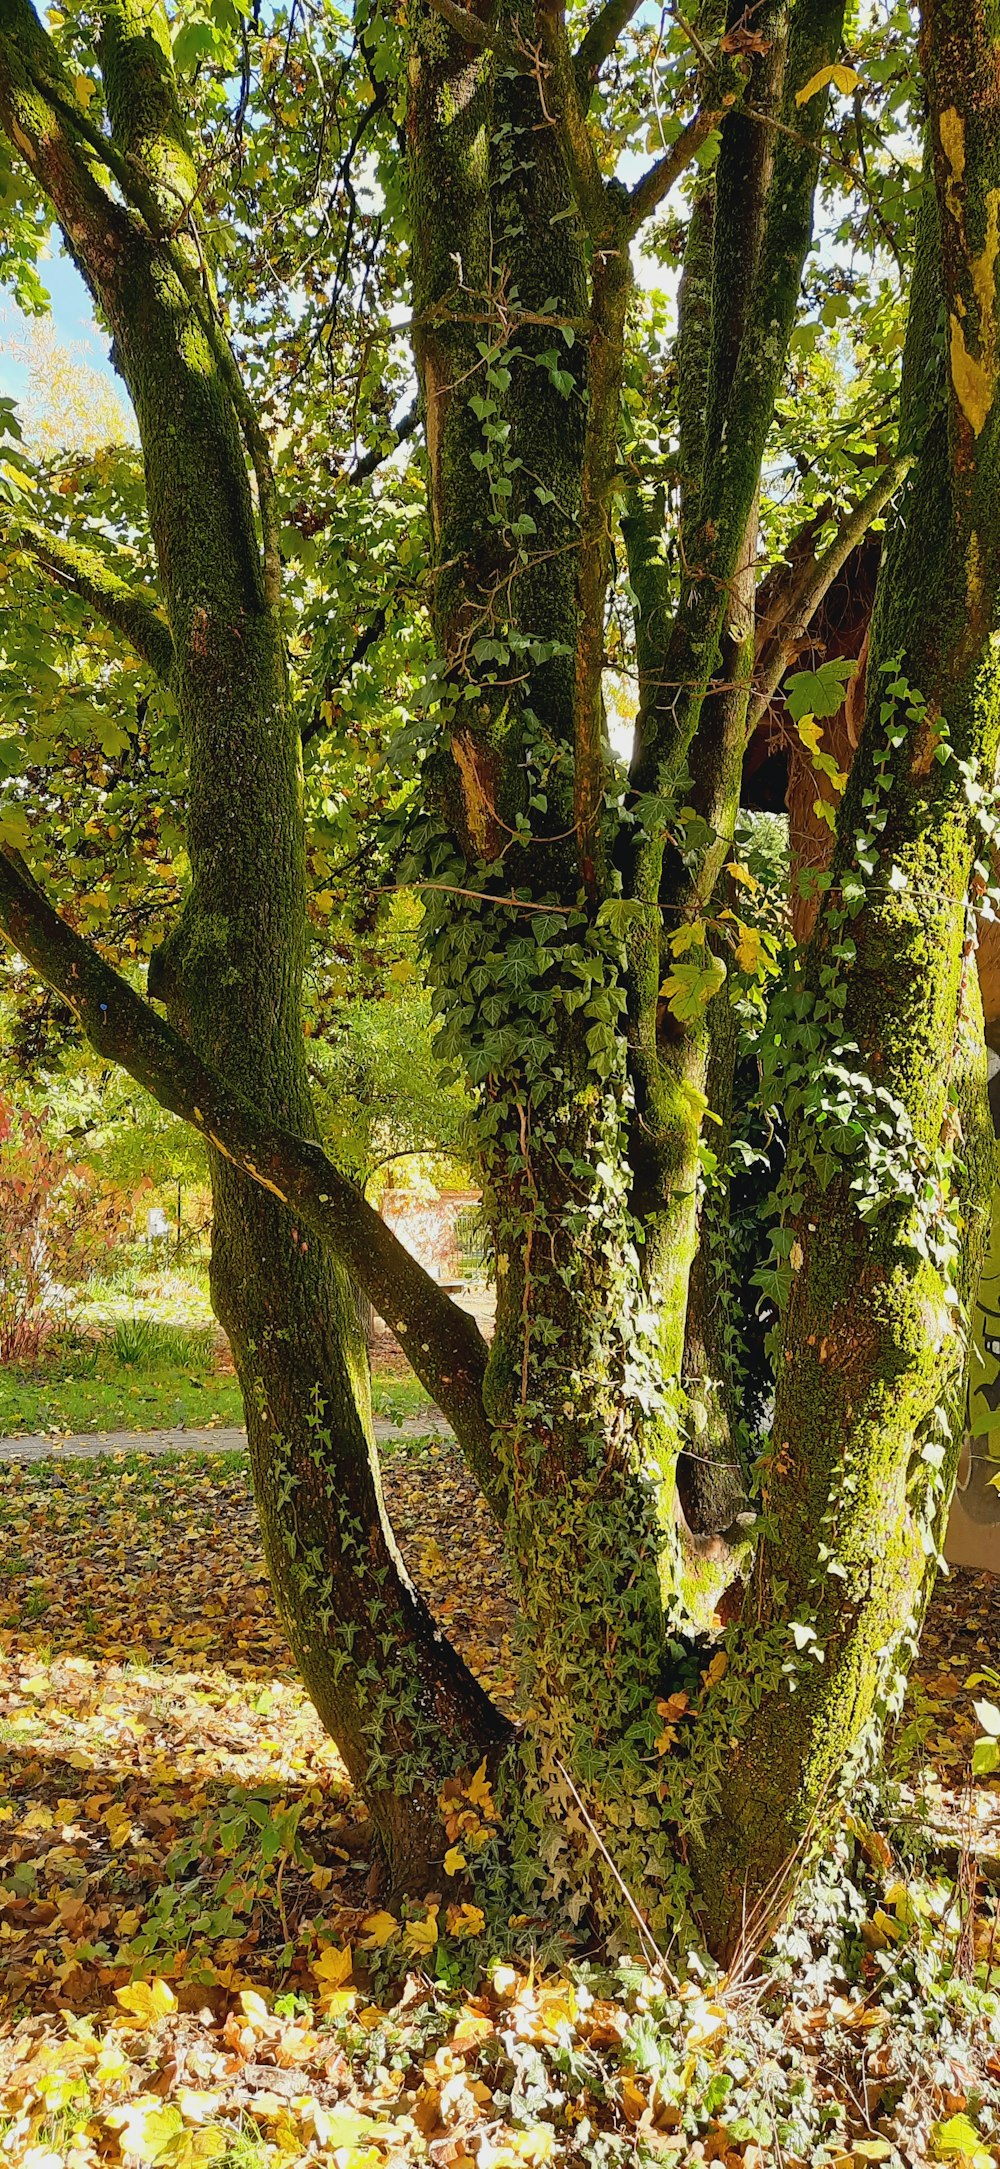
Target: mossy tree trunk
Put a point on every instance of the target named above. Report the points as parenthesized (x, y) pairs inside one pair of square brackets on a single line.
[(886, 1084), (400, 1703)]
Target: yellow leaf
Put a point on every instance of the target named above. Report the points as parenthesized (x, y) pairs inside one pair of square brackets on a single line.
[(707, 2021), (871, 2149), (346, 2127), (254, 2007), (479, 1793), (716, 1669), (842, 78), (147, 2001), (471, 2026), (535, 2146), (145, 2125), (810, 732), (333, 1967), (743, 874), (465, 1921), (748, 948), (688, 936), (633, 2100), (337, 2002), (958, 2139), (454, 1860), (196, 2106), (421, 1935), (85, 89), (379, 1930), (112, 2064)]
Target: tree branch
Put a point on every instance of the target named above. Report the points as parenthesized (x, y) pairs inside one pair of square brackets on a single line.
[(473, 30), (442, 1342), (794, 605), (366, 639), (650, 191), (36, 96), (80, 569), (369, 461), (563, 108), (600, 40)]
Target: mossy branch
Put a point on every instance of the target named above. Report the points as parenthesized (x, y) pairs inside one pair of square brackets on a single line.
[(441, 1341), (151, 133), (563, 106), (649, 192), (599, 42), (86, 574), (733, 456), (475, 30), (46, 125)]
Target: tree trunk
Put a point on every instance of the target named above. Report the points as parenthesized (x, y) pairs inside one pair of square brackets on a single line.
[(885, 1086), (402, 1706)]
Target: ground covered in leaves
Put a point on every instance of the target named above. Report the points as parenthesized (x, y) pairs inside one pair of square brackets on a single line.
[(192, 1966)]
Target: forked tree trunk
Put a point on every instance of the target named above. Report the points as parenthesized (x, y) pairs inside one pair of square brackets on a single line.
[(891, 1161)]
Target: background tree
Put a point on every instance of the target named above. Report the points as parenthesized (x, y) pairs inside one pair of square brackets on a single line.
[(572, 942)]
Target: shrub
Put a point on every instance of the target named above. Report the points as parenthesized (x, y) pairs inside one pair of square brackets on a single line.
[(55, 1219)]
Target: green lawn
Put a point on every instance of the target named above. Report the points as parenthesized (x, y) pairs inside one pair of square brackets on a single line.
[(143, 1376)]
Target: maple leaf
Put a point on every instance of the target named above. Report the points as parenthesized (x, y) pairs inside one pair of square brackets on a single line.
[(331, 1969), (146, 2002), (379, 1929), (420, 1936)]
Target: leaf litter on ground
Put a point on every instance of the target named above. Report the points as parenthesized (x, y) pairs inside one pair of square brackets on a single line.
[(195, 1966)]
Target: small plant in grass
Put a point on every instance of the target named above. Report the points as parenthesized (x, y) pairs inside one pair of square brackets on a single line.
[(148, 1342)]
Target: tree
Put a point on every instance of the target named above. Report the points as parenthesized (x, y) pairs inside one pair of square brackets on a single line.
[(697, 1699)]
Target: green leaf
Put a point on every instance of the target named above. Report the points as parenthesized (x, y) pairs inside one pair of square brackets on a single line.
[(689, 988), (958, 2137)]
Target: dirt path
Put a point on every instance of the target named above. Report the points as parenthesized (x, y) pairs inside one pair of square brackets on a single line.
[(226, 1438)]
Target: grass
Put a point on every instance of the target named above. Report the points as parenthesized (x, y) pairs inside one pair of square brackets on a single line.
[(139, 1373)]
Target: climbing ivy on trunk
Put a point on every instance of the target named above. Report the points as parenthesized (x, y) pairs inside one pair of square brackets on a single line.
[(698, 1687)]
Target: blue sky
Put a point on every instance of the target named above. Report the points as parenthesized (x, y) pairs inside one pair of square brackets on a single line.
[(72, 316)]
